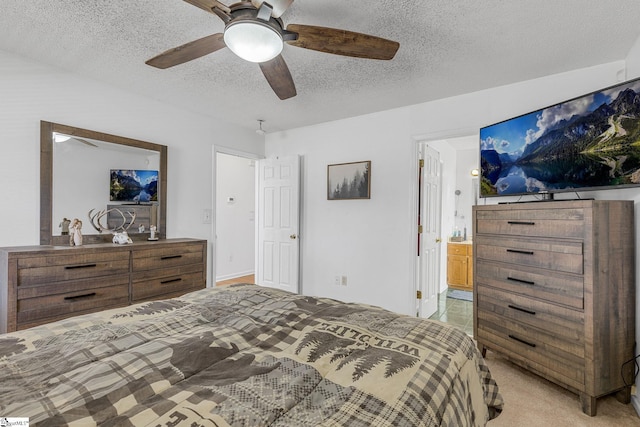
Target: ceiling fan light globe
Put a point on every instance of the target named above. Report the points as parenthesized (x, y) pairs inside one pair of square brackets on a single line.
[(253, 41)]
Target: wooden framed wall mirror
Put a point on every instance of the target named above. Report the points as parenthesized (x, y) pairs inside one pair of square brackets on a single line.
[(76, 167)]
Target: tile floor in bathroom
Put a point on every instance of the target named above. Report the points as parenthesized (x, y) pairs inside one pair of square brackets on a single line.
[(455, 312)]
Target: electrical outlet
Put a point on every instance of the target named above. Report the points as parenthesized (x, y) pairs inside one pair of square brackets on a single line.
[(343, 280), (336, 280)]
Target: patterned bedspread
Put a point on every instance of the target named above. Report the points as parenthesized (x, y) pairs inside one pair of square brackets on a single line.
[(245, 355)]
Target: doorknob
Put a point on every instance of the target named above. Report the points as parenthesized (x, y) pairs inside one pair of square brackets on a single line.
[(438, 240), (293, 237)]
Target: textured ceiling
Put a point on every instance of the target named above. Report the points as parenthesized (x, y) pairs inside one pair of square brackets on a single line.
[(447, 48)]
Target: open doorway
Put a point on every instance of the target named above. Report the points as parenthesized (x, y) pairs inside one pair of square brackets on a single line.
[(235, 216), (458, 194)]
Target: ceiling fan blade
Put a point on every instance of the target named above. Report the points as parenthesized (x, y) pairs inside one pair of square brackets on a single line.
[(342, 42), (279, 6), (84, 141), (207, 5), (213, 6), (188, 52), (277, 74)]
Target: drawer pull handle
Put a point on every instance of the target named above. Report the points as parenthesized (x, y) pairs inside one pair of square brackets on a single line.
[(521, 223), (526, 282), (524, 310), (164, 282), (73, 298), (170, 257), (73, 267), (522, 341), (516, 251)]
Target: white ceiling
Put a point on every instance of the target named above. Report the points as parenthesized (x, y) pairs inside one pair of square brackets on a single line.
[(447, 47)]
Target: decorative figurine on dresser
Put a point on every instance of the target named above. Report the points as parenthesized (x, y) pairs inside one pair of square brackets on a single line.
[(64, 225), (75, 230), (554, 291)]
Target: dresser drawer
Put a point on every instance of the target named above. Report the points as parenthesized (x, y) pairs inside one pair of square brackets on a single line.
[(546, 334), (550, 254), (560, 288), (568, 223), (170, 256), (46, 307), (167, 282), (71, 266), (565, 324), (71, 286), (563, 368)]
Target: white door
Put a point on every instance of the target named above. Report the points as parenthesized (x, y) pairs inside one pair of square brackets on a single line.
[(277, 226), (429, 241)]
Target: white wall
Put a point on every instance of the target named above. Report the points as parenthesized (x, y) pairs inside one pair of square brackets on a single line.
[(465, 161), (31, 92), (235, 220)]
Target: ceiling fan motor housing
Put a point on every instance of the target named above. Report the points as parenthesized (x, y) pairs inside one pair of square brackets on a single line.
[(245, 11)]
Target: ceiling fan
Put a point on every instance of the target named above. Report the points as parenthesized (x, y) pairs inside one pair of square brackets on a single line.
[(254, 31)]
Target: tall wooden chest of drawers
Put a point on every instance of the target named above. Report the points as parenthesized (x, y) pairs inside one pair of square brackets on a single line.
[(555, 291), (41, 284)]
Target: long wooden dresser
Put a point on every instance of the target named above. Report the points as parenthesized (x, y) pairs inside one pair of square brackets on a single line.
[(555, 291), (41, 284)]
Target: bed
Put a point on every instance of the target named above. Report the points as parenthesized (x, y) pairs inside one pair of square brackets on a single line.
[(245, 355)]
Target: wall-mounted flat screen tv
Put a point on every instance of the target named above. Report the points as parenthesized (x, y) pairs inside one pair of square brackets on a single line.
[(135, 186), (587, 143)]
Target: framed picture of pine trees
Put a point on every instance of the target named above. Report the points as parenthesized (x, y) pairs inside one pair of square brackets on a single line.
[(347, 181)]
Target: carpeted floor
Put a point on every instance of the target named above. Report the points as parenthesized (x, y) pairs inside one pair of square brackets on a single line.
[(533, 401)]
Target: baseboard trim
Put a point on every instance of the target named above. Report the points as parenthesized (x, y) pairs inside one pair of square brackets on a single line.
[(635, 401), (234, 275)]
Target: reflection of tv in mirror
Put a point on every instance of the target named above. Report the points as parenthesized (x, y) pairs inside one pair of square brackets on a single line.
[(587, 143), (136, 186)]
